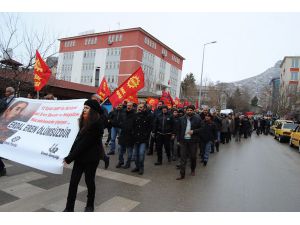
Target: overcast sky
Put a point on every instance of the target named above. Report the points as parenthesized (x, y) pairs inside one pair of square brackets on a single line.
[(247, 43)]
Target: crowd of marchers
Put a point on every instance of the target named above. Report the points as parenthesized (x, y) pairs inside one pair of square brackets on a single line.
[(136, 130)]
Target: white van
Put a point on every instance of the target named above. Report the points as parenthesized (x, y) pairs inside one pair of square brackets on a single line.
[(226, 111)]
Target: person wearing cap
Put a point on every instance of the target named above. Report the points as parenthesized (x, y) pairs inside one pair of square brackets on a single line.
[(85, 152), (164, 130)]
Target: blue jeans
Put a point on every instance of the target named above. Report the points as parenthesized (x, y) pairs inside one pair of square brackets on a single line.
[(115, 131), (207, 151), (122, 151), (139, 151)]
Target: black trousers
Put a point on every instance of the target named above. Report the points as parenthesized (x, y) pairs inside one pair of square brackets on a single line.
[(2, 166), (89, 170), (163, 141), (109, 135), (224, 137), (151, 144), (188, 149)]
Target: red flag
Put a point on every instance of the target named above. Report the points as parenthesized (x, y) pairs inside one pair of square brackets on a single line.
[(152, 101), (177, 101), (186, 103), (166, 98), (41, 72), (196, 104), (132, 98), (129, 87), (103, 90)]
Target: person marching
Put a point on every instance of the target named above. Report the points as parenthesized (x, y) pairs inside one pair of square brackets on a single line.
[(104, 118), (126, 139), (164, 130), (142, 128), (152, 141), (174, 145), (188, 130), (86, 153), (209, 136), (115, 118)]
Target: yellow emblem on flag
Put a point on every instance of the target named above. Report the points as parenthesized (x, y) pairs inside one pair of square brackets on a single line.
[(37, 66), (133, 82)]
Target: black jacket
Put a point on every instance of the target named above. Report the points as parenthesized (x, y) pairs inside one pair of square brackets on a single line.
[(87, 147), (195, 127), (208, 132), (218, 122), (157, 112), (126, 135), (237, 124), (4, 104), (176, 121), (116, 118), (164, 124), (142, 127), (245, 125)]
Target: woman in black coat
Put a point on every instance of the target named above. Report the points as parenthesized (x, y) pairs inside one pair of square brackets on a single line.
[(85, 152)]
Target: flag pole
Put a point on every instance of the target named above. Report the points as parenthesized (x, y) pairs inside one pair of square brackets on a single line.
[(38, 95), (104, 101)]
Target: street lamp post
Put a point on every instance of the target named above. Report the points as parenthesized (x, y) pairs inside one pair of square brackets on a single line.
[(200, 88)]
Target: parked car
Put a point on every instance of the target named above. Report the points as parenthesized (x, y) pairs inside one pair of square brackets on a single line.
[(295, 138), (276, 123), (284, 130)]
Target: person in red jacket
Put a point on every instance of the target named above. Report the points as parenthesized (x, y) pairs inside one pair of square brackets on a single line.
[(86, 153)]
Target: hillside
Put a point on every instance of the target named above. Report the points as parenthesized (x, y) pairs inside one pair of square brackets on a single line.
[(256, 84)]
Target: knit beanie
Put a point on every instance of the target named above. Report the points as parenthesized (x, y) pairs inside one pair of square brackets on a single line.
[(94, 105)]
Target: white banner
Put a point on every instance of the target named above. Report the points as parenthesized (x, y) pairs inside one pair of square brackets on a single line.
[(39, 133)]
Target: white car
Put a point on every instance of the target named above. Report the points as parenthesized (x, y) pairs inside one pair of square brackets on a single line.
[(226, 111)]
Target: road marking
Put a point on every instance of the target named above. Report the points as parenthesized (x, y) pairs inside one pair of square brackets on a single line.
[(23, 190), (60, 205), (8, 181), (122, 177), (117, 204), (40, 200), (118, 177)]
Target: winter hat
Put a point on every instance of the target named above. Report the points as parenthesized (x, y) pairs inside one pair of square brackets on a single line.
[(94, 105)]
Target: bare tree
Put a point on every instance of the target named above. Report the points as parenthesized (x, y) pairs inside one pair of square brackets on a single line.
[(23, 42)]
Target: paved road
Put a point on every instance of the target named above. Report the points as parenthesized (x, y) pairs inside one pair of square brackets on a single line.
[(259, 174)]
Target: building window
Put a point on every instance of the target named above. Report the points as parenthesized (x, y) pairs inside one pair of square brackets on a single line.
[(295, 63), (294, 75), (90, 41), (70, 43), (150, 43), (164, 52), (89, 54), (175, 59)]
